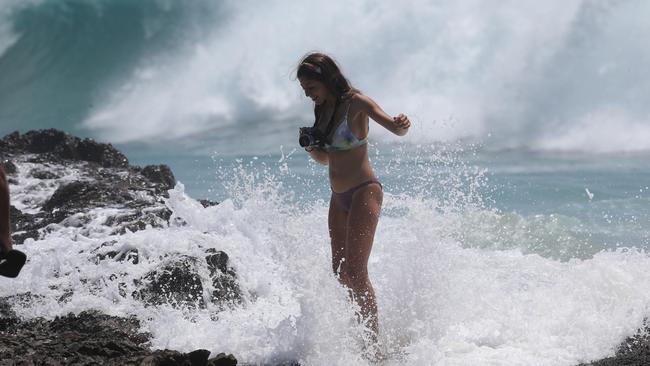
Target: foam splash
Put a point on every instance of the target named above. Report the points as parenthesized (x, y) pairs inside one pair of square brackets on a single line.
[(464, 71), (8, 8), (546, 76), (443, 299), (32, 192)]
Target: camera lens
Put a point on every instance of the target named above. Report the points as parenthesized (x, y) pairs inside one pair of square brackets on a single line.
[(304, 140)]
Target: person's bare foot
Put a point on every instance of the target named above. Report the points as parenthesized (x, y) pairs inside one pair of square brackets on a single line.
[(372, 347)]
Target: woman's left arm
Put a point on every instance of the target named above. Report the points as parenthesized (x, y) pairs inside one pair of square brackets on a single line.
[(398, 125)]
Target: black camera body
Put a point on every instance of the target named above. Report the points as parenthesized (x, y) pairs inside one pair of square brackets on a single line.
[(311, 136)]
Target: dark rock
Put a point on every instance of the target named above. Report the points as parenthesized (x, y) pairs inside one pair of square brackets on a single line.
[(137, 194), (87, 338), (10, 140), (8, 317), (43, 174), (19, 220), (20, 237), (217, 261), (224, 279), (23, 225), (60, 144), (207, 203), (139, 220), (223, 360), (634, 351), (107, 181), (104, 154), (132, 256), (9, 167), (199, 357), (49, 141), (160, 174), (196, 358), (79, 196), (90, 338), (176, 283)]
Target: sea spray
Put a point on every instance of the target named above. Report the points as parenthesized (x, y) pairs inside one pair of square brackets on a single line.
[(453, 286), (520, 75)]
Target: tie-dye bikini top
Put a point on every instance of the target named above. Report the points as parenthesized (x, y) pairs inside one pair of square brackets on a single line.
[(343, 139)]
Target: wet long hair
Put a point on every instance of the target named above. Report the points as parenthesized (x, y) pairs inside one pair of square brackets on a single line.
[(321, 67)]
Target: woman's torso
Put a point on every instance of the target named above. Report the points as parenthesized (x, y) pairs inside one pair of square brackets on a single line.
[(349, 168)]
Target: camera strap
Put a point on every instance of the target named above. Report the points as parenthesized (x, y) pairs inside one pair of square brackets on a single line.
[(330, 124)]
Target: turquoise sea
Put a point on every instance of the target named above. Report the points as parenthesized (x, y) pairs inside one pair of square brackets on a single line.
[(563, 205)]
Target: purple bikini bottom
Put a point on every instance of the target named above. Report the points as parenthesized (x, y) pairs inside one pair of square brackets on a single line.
[(345, 198)]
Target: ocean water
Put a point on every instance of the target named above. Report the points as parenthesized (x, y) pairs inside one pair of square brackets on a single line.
[(499, 259), (560, 205), (516, 220)]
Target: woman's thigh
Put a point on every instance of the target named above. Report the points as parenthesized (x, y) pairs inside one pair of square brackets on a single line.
[(362, 223), (337, 222)]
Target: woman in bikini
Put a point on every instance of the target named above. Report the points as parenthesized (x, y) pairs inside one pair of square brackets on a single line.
[(342, 117)]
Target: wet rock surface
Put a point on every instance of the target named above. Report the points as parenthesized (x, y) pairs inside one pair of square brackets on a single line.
[(89, 338), (77, 176), (160, 174), (62, 183), (178, 282), (54, 145), (634, 351), (92, 338), (9, 167), (224, 279)]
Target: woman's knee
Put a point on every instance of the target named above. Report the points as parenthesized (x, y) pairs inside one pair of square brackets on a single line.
[(343, 279), (355, 275)]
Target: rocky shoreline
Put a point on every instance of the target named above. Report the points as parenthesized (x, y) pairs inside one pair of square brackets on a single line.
[(102, 178), (74, 177), (89, 338)]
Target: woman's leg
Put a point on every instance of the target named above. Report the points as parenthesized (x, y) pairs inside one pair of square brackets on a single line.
[(337, 222), (362, 222)]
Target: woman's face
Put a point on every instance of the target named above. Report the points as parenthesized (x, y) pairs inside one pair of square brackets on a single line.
[(316, 90)]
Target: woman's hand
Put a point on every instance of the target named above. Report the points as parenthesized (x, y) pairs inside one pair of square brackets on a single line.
[(318, 154), (402, 122)]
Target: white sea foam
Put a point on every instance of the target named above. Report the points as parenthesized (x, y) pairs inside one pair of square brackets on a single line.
[(8, 8), (442, 300), (600, 131), (525, 73), (29, 193), (7, 35)]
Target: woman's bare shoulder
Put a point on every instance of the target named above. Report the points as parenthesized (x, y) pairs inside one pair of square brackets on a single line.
[(356, 97), (358, 110), (359, 102)]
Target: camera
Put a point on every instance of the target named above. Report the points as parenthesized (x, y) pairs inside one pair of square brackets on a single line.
[(311, 136)]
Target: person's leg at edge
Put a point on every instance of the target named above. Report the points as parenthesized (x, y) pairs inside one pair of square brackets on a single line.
[(5, 225), (361, 225)]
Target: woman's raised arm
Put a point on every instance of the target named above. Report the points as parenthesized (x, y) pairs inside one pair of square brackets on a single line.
[(398, 125)]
